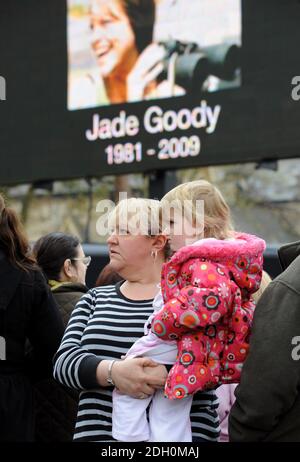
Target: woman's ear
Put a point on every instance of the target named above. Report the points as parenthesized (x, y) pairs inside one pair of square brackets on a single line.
[(159, 242), (67, 268)]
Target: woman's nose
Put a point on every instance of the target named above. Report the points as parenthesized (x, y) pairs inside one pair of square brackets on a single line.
[(98, 33), (112, 239)]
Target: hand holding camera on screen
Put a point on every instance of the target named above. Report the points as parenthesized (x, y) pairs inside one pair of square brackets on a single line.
[(142, 82), (174, 68)]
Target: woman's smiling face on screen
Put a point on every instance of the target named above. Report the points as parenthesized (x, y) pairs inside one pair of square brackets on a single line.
[(113, 40)]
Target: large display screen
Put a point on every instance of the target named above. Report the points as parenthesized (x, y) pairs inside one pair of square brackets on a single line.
[(97, 87)]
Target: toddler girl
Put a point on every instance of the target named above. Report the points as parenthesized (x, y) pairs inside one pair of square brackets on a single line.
[(206, 309)]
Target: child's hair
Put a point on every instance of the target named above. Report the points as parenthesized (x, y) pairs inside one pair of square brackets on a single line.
[(265, 281), (217, 219)]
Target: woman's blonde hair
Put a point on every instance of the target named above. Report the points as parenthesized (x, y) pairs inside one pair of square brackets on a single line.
[(216, 221), (136, 216)]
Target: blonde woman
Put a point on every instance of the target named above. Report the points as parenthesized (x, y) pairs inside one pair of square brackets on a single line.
[(108, 320), (206, 307)]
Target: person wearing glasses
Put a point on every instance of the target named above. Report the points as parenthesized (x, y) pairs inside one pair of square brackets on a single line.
[(61, 258)]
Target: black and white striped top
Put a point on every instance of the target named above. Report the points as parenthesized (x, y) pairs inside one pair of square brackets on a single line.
[(104, 325)]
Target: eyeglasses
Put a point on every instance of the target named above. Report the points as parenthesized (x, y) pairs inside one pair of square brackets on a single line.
[(85, 260)]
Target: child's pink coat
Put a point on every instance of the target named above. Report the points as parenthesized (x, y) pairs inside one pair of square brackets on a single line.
[(208, 309)]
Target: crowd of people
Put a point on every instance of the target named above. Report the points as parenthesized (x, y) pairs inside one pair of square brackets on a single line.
[(184, 337)]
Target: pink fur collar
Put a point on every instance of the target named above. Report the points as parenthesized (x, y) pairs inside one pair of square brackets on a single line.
[(241, 244)]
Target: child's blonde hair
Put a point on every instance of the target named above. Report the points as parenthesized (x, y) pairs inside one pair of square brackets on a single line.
[(217, 219)]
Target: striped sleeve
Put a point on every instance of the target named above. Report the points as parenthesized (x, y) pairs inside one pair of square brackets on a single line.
[(104, 325), (74, 366), (204, 416)]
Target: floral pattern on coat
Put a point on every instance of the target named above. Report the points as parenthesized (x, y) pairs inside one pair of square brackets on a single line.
[(209, 309)]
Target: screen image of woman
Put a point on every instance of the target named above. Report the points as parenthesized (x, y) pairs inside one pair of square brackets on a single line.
[(128, 63), (133, 50)]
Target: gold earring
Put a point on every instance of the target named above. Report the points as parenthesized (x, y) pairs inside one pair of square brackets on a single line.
[(154, 254)]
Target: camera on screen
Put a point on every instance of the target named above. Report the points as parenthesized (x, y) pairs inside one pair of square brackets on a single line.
[(192, 65)]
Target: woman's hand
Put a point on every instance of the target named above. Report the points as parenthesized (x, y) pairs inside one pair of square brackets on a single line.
[(147, 69), (135, 376), (157, 373)]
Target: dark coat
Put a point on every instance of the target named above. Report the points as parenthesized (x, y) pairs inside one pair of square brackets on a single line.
[(267, 406), (66, 296), (27, 311), (56, 406)]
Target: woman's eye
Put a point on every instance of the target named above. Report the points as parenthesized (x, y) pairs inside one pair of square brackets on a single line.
[(123, 231), (106, 20)]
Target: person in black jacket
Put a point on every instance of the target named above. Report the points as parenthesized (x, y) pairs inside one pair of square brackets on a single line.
[(27, 311), (267, 406), (62, 260)]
